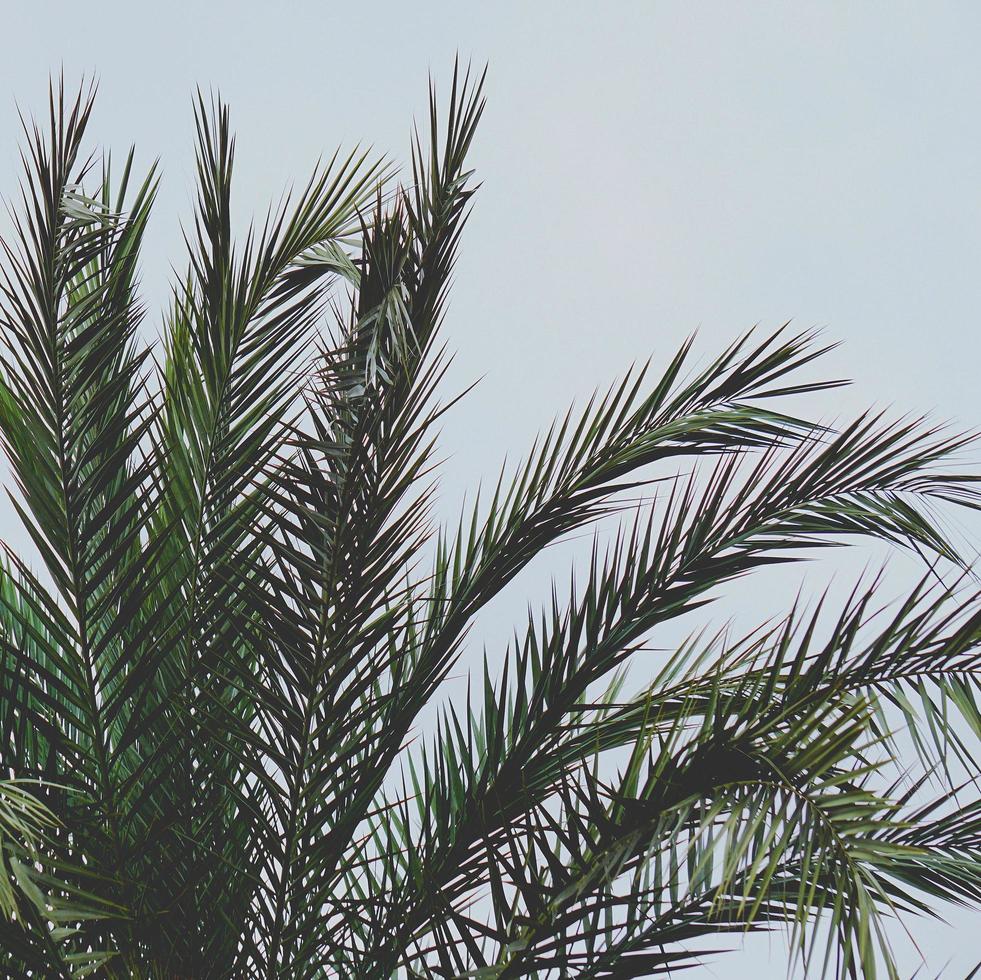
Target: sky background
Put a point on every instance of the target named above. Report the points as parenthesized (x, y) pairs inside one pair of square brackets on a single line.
[(648, 169)]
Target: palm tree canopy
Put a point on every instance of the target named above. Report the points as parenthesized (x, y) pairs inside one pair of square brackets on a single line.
[(216, 669)]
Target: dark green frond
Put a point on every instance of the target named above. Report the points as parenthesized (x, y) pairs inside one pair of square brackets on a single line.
[(229, 745)]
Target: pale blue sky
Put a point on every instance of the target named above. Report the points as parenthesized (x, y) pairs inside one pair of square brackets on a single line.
[(648, 169)]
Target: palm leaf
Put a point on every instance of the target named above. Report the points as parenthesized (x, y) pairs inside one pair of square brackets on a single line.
[(220, 662)]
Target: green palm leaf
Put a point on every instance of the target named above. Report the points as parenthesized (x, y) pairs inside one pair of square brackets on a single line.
[(220, 663)]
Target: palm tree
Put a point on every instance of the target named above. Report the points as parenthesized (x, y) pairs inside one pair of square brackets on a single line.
[(216, 668)]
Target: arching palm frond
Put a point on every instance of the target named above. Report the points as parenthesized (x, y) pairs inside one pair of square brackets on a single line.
[(218, 671)]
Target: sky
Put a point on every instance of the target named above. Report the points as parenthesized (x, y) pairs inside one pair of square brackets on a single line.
[(648, 169)]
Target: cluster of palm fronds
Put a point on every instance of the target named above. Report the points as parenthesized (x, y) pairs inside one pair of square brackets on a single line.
[(213, 674)]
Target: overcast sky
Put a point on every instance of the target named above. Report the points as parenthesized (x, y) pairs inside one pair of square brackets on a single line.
[(648, 169)]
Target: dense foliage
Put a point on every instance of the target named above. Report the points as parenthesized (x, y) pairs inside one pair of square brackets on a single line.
[(217, 665)]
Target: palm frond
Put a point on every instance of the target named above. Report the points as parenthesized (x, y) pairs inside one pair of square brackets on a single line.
[(219, 665)]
